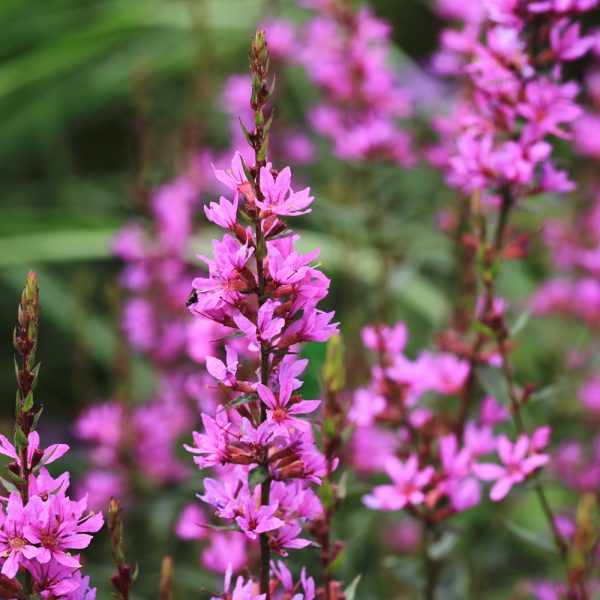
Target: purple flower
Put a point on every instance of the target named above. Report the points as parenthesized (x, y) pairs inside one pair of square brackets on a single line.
[(280, 199), (225, 373), (224, 214), (281, 409), (407, 487), (266, 328), (15, 547), (517, 464), (211, 447), (253, 520), (50, 454), (59, 525)]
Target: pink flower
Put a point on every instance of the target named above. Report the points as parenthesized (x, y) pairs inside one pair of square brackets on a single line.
[(224, 214), (241, 591), (59, 525), (15, 546), (266, 328), (566, 41), (492, 412), (407, 487), (463, 490), (280, 199), (54, 580), (589, 395), (211, 447), (253, 521), (190, 523), (280, 410), (235, 177), (225, 548), (517, 461), (225, 373), (382, 338), (288, 537), (50, 454)]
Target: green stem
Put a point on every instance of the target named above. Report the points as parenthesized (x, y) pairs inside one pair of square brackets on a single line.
[(501, 337), (430, 566)]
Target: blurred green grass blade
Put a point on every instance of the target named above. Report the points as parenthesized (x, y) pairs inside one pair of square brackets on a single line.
[(531, 537), (59, 304), (31, 250)]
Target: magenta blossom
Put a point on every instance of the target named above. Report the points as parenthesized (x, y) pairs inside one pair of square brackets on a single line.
[(407, 487), (517, 464)]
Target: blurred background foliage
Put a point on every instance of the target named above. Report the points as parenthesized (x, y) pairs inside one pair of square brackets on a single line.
[(88, 89)]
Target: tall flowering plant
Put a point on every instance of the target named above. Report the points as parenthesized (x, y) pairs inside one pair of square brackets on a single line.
[(346, 53), (40, 526), (497, 146), (259, 440)]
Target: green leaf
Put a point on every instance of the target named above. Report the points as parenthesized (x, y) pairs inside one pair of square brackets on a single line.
[(221, 527), (235, 334), (261, 250), (550, 391), (343, 486), (244, 399), (55, 247), (326, 494), (21, 438), (38, 414), (247, 135), (493, 382), (36, 374), (350, 591), (257, 476), (334, 370), (8, 485), (15, 478), (483, 328), (28, 404), (520, 323), (531, 537), (262, 153), (338, 561), (269, 122), (443, 546), (328, 427), (249, 178)]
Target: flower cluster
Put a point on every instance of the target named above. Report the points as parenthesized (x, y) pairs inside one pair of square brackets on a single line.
[(266, 293), (346, 53), (133, 440), (38, 534), (154, 325), (282, 586), (40, 526), (440, 469), (515, 97)]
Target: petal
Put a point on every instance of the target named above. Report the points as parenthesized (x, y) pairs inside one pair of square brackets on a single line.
[(67, 560), (304, 407), (54, 452), (488, 471), (7, 448), (266, 395), (216, 368), (504, 449), (500, 489), (77, 540), (534, 462), (11, 566)]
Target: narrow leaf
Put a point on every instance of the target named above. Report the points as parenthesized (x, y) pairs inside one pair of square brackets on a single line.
[(350, 591), (531, 537)]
